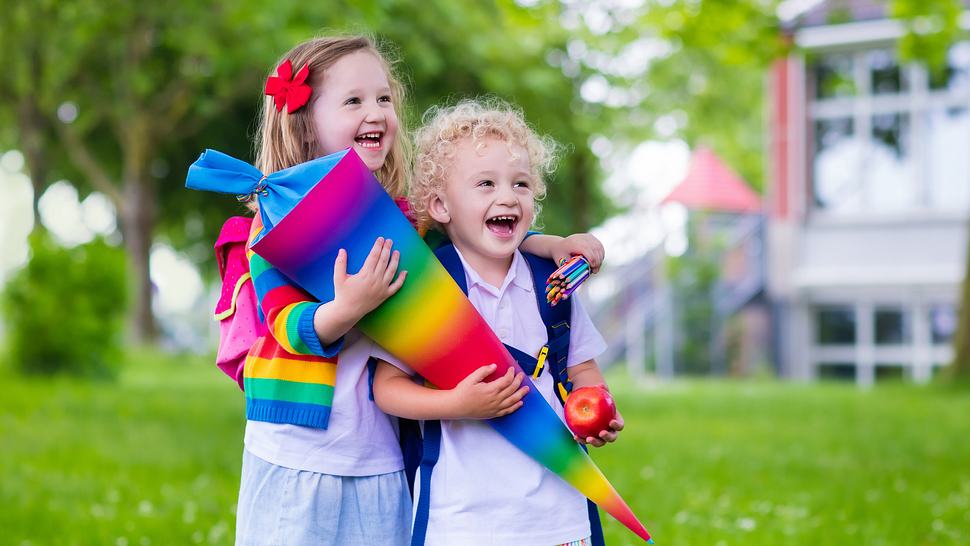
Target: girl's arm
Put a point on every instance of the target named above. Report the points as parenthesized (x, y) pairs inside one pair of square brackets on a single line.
[(587, 374), (396, 393), (558, 248), (359, 294), (304, 326)]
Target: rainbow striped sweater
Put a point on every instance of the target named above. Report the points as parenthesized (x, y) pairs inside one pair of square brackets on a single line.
[(289, 376)]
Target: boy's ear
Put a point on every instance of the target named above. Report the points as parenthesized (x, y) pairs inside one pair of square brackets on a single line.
[(438, 210)]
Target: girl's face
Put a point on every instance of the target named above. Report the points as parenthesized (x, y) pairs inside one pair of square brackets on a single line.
[(353, 108)]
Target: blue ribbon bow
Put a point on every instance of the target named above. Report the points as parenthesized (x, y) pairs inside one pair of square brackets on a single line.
[(276, 193)]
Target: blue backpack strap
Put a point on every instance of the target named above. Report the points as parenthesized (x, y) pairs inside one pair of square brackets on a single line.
[(448, 257), (432, 447), (556, 319), (412, 448), (430, 443)]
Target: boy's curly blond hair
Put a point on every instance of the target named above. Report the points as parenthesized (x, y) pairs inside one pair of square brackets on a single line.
[(445, 127)]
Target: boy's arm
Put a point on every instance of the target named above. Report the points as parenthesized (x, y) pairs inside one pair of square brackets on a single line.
[(587, 374), (396, 393), (558, 248)]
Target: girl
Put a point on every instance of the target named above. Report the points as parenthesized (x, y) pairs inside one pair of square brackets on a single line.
[(322, 464)]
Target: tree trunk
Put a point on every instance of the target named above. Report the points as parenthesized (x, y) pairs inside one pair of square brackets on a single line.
[(581, 193), (31, 127), (138, 224), (960, 367)]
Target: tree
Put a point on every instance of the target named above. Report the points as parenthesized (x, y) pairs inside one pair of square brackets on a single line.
[(110, 84), (140, 89)]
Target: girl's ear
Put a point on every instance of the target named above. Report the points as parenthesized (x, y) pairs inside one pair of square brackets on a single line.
[(438, 210)]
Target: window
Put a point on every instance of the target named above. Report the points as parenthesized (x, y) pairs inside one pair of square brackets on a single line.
[(886, 137), (835, 325), (892, 327), (943, 323), (843, 371)]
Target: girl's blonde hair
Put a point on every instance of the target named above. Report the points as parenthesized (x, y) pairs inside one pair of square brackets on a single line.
[(284, 140), (445, 127)]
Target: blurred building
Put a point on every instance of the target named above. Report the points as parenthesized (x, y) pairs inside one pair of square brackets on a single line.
[(868, 199)]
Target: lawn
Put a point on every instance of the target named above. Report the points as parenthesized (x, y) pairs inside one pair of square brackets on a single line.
[(154, 459)]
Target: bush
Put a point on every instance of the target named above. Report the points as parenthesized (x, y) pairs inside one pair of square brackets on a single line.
[(64, 310)]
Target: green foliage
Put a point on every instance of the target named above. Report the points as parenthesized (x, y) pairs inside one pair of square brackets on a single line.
[(64, 310), (931, 27)]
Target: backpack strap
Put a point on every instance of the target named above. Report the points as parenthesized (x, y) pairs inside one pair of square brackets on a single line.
[(422, 462), (556, 319), (431, 449), (449, 258)]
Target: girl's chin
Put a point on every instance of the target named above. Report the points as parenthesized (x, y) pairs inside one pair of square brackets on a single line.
[(373, 159)]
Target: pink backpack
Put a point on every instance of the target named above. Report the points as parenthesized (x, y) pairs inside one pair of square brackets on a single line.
[(236, 310)]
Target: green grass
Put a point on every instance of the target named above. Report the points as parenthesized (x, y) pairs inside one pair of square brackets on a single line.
[(154, 459), (711, 463)]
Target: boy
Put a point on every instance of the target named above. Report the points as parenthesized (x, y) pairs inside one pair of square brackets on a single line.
[(479, 174)]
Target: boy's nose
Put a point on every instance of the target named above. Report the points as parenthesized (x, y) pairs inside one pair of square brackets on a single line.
[(506, 196)]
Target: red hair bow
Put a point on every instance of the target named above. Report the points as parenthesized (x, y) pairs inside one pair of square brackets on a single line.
[(287, 89)]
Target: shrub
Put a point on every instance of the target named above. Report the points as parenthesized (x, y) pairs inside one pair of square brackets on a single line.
[(64, 310)]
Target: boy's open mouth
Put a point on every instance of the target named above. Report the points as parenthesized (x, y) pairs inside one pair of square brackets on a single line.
[(369, 140), (502, 225)]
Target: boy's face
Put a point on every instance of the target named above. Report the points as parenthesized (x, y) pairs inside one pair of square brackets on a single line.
[(487, 204), (353, 108)]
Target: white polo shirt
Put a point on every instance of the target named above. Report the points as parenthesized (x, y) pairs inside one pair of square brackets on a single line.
[(484, 490)]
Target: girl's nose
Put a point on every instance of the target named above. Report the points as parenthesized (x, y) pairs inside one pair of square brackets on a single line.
[(375, 114)]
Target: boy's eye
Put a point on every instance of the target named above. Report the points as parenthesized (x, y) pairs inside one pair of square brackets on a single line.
[(486, 183), (352, 100)]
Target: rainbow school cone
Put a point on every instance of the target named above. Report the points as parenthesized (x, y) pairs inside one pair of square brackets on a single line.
[(429, 324)]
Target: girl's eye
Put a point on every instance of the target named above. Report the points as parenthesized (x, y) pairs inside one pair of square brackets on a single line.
[(384, 98), (486, 183), (352, 100), (522, 184)]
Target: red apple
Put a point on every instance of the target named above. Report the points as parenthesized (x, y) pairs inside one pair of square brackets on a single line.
[(589, 411)]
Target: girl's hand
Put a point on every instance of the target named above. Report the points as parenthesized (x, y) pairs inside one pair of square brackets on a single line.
[(473, 398), (608, 435), (361, 293), (580, 243)]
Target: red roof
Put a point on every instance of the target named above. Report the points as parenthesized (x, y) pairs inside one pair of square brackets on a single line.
[(712, 185)]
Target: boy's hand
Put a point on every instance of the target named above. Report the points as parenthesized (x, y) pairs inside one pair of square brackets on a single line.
[(475, 399), (580, 243), (608, 435), (361, 293)]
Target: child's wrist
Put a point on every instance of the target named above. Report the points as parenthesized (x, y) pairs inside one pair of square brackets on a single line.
[(344, 313), (453, 406)]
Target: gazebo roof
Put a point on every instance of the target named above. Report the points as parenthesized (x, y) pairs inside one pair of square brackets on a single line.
[(711, 185)]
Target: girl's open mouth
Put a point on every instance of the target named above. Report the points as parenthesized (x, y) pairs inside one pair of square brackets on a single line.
[(371, 141), (503, 226)]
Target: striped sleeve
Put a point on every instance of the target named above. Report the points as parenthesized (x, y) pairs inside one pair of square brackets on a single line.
[(287, 309)]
